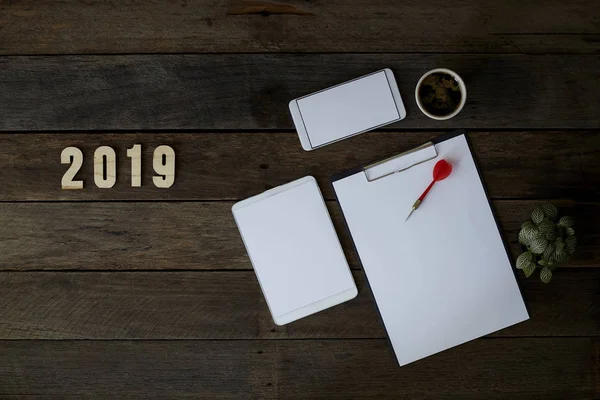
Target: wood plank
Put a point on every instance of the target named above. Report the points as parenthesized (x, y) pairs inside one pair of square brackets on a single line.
[(215, 370), (229, 305), (115, 236), (534, 26), (596, 367), (524, 368), (233, 166), (251, 91)]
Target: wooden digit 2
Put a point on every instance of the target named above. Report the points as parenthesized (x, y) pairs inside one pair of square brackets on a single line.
[(73, 156)]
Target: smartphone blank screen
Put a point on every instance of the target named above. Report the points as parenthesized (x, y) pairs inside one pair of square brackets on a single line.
[(347, 109)]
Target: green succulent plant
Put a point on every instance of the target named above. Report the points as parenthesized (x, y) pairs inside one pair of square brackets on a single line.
[(549, 241)]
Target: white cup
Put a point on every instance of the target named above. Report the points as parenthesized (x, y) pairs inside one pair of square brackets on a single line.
[(461, 85)]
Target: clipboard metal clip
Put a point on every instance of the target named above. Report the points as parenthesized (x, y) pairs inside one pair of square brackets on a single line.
[(400, 162)]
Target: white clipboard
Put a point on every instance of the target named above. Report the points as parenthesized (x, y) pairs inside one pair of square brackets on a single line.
[(444, 277)]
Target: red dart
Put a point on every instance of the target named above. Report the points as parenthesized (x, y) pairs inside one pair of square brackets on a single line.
[(441, 170)]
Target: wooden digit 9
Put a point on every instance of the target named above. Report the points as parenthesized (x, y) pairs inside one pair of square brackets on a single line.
[(164, 165)]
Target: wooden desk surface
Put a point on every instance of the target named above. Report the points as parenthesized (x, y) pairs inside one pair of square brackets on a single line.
[(148, 293)]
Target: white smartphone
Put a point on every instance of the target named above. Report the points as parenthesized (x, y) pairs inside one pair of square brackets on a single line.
[(347, 109)]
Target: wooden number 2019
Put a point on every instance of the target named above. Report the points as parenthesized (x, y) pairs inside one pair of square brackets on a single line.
[(105, 166)]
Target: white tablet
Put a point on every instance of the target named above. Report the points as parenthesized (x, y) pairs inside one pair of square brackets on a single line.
[(347, 109), (294, 250)]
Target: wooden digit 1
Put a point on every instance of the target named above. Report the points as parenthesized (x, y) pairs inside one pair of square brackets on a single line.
[(164, 165), (135, 153), (105, 167), (73, 156)]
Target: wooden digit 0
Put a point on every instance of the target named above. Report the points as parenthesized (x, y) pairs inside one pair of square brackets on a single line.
[(105, 173)]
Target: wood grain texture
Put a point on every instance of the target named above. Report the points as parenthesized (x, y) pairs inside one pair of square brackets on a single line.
[(233, 166), (140, 292), (251, 91), (596, 365), (230, 305), (192, 235), (77, 26), (526, 368)]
